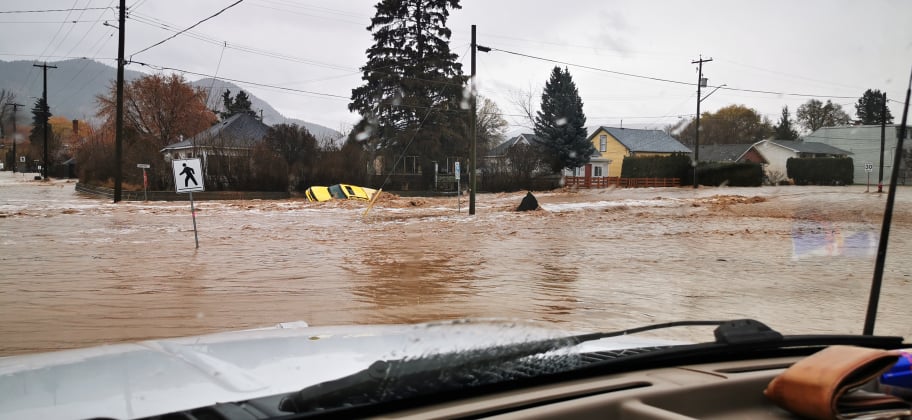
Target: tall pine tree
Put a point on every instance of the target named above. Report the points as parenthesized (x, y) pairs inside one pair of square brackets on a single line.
[(561, 123), (784, 130), (870, 108), (41, 113), (412, 81)]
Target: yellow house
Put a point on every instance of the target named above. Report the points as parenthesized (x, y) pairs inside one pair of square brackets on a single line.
[(613, 144)]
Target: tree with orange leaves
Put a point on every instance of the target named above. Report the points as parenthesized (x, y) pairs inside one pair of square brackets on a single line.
[(158, 110)]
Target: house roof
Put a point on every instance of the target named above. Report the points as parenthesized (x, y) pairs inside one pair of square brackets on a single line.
[(238, 131), (638, 140), (723, 152), (502, 148), (810, 147)]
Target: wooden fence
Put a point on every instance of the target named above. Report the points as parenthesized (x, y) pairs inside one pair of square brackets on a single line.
[(608, 182)]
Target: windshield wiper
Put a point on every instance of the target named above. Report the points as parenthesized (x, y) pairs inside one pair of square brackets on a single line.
[(387, 381)]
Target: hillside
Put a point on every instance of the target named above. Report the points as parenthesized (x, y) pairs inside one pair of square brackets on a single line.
[(74, 84)]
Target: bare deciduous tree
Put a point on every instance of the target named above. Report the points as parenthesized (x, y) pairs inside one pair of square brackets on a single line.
[(526, 102)]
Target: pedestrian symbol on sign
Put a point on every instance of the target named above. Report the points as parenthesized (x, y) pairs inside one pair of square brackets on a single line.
[(185, 172), (188, 171)]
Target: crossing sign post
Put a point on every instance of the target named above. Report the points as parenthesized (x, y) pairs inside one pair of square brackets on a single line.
[(188, 177), (868, 168)]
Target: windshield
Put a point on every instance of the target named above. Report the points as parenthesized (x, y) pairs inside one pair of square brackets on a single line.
[(336, 192), (678, 161)]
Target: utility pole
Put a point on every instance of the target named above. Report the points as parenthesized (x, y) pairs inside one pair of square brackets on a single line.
[(474, 126), (700, 83), (472, 167), (15, 158), (883, 140), (118, 135), (47, 114)]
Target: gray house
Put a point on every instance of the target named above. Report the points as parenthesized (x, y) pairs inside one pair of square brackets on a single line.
[(233, 136), (499, 157), (863, 142), (225, 148)]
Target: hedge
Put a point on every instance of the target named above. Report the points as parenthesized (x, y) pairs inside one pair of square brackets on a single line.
[(821, 171)]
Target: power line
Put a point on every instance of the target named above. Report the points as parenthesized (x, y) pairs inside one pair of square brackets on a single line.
[(187, 29), (100, 15), (54, 38), (309, 92), (72, 9), (659, 79), (42, 22)]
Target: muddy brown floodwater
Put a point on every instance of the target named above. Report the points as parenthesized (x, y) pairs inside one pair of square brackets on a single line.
[(78, 271)]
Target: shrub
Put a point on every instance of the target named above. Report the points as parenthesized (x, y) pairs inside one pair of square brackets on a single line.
[(821, 171)]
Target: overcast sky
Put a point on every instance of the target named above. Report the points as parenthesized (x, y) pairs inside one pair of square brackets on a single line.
[(835, 49)]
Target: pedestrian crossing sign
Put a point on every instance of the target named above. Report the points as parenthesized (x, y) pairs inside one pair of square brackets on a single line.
[(188, 175)]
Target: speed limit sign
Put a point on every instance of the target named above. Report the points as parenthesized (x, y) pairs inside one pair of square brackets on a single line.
[(869, 166)]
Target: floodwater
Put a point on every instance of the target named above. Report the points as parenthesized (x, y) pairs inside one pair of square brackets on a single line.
[(77, 271)]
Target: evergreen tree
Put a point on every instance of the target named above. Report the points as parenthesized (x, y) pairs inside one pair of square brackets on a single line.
[(412, 81), (870, 107), (784, 130), (239, 104), (41, 113), (561, 124)]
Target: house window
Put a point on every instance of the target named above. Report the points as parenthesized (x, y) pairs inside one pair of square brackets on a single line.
[(603, 143), (597, 171)]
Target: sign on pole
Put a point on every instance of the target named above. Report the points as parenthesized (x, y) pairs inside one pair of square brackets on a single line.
[(458, 189), (145, 166), (868, 168), (188, 175)]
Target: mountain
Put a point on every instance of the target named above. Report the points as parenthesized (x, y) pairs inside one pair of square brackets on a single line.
[(74, 84)]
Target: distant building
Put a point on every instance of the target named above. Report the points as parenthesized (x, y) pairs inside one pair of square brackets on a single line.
[(731, 153), (612, 144), (233, 136), (778, 152), (500, 157), (225, 149), (863, 142)]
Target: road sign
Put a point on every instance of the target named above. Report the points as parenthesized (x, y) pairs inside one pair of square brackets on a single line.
[(457, 169), (188, 175), (143, 165), (869, 166)]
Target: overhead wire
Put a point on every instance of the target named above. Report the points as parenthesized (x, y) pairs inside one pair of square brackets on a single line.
[(100, 15), (70, 30), (309, 92), (72, 9), (214, 77), (32, 71), (660, 79), (187, 29)]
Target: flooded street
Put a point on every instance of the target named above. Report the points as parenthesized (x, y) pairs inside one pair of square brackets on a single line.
[(78, 271)]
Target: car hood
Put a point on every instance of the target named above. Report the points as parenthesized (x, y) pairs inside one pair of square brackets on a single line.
[(161, 376)]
